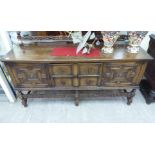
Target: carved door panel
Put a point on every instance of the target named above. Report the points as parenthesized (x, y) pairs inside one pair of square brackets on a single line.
[(61, 74), (28, 75), (89, 74), (120, 74)]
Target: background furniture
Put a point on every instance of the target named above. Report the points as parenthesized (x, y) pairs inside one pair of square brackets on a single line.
[(147, 86), (35, 73), (51, 37)]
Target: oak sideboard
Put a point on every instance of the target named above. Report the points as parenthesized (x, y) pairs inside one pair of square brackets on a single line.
[(35, 73)]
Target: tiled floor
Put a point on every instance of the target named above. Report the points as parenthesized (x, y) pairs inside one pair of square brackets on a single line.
[(107, 110)]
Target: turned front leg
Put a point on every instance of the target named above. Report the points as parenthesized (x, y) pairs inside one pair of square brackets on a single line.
[(130, 95), (24, 98), (76, 97), (24, 102)]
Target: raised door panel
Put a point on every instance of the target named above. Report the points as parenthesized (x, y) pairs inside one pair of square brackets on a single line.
[(61, 74), (26, 75), (121, 74)]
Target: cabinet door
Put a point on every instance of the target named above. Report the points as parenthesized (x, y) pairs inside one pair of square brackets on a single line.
[(121, 74), (61, 74), (28, 75)]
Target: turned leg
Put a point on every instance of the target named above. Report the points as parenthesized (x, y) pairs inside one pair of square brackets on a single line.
[(76, 97), (130, 95), (24, 98), (148, 101), (24, 102)]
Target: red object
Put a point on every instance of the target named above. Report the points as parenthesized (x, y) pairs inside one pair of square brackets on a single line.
[(71, 51)]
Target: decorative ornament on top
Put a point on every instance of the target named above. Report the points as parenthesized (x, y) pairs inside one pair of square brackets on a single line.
[(83, 46), (135, 39), (109, 38)]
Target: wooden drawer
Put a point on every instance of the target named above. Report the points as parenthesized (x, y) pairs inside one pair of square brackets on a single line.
[(120, 74), (88, 81), (60, 69), (85, 69), (28, 75), (63, 82), (61, 75)]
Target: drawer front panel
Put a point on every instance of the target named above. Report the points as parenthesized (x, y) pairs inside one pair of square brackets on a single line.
[(120, 74), (88, 81), (63, 82), (61, 75), (85, 69), (61, 69), (28, 75)]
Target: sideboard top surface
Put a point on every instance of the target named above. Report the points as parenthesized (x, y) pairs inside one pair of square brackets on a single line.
[(41, 53)]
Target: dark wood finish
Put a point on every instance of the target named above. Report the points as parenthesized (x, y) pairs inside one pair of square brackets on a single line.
[(76, 97), (29, 75), (147, 91), (122, 74), (33, 69), (147, 86), (150, 70), (130, 95), (41, 54), (24, 97)]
